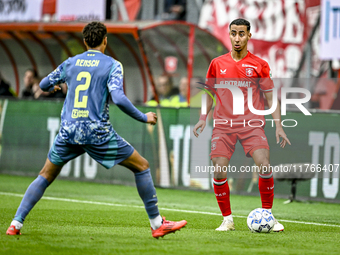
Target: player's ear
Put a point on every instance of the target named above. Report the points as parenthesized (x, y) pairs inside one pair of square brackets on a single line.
[(85, 43), (105, 40), (249, 35)]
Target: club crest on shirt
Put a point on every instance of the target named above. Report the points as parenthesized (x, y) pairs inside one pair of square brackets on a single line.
[(223, 71), (249, 72), (213, 146)]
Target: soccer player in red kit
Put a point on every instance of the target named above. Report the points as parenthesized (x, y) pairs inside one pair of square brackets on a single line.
[(237, 71)]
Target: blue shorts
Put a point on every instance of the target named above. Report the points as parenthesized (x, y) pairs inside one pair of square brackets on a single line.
[(107, 154)]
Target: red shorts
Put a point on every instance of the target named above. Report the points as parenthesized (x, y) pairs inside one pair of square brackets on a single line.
[(223, 145)]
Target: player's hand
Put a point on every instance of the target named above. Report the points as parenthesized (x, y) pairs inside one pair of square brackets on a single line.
[(281, 133), (200, 125), (55, 89), (151, 118)]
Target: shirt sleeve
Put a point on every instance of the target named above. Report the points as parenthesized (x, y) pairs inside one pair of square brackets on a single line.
[(56, 77), (116, 77), (210, 79), (115, 86), (266, 82)]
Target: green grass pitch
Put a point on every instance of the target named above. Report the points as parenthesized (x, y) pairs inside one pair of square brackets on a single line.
[(91, 218)]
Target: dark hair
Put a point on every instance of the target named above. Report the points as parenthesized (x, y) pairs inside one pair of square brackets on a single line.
[(169, 78), (240, 22), (94, 33), (199, 78), (33, 71)]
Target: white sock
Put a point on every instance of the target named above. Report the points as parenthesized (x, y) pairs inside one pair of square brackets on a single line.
[(229, 217), (16, 224), (156, 222)]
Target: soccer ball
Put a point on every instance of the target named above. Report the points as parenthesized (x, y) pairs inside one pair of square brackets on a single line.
[(260, 220)]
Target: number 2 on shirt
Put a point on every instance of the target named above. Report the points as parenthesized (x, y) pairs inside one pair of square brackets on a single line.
[(82, 87)]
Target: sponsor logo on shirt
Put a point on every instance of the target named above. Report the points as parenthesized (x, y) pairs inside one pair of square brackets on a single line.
[(245, 65), (223, 71), (80, 114), (246, 84)]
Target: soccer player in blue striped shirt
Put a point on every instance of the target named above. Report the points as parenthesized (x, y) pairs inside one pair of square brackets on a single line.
[(92, 77)]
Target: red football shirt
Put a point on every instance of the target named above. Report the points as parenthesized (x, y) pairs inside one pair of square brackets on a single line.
[(250, 72)]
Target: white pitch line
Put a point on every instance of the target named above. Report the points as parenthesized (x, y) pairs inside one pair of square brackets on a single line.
[(164, 209), (3, 114)]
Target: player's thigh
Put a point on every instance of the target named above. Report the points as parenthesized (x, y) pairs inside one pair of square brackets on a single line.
[(62, 152), (50, 171), (59, 154), (222, 145), (112, 152)]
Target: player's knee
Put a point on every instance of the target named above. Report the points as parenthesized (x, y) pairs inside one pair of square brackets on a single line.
[(265, 168), (46, 172), (48, 176), (144, 164), (265, 163), (50, 171), (220, 161), (220, 175)]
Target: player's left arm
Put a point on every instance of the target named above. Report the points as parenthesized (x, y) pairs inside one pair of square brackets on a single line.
[(115, 86), (51, 82), (277, 118), (46, 86), (267, 86)]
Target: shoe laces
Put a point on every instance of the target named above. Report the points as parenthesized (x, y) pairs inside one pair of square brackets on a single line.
[(167, 222), (226, 221)]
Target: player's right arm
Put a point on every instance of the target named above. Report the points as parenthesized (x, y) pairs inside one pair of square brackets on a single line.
[(202, 121), (51, 82), (115, 86), (210, 80)]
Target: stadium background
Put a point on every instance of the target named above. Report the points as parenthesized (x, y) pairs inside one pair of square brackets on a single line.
[(288, 34)]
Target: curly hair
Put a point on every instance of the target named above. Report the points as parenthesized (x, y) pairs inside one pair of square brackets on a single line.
[(94, 33)]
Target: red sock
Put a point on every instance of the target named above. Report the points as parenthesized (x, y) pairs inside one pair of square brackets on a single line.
[(222, 193), (266, 187)]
